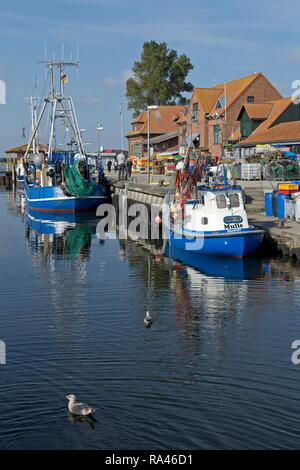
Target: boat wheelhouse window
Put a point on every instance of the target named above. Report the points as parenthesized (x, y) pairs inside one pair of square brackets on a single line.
[(234, 200), (221, 201), (204, 221), (201, 199)]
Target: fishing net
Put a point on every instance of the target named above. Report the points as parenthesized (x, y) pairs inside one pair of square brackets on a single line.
[(77, 181), (78, 239)]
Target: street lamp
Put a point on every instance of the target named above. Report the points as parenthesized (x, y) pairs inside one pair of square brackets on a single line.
[(99, 128), (150, 108)]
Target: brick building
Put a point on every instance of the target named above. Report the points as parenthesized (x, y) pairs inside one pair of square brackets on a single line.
[(273, 123), (212, 117), (162, 121)]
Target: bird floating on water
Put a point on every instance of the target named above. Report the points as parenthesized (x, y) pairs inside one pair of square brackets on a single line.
[(79, 409), (148, 320)]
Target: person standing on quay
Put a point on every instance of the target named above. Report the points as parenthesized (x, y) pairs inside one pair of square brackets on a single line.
[(129, 167), (109, 166), (121, 165)]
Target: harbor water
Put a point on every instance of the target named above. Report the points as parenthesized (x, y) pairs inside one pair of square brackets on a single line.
[(213, 372)]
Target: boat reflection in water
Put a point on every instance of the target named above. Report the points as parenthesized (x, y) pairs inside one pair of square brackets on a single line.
[(63, 235), (218, 266)]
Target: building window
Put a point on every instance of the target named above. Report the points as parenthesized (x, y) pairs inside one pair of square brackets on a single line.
[(222, 102), (216, 134), (195, 112), (136, 150), (250, 99)]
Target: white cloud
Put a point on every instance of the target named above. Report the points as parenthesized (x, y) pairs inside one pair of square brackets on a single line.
[(292, 55), (111, 82), (125, 75), (92, 101)]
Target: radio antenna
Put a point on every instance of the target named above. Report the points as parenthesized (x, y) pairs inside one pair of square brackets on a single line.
[(77, 60)]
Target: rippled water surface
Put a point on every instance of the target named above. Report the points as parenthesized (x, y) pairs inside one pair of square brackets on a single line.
[(214, 371)]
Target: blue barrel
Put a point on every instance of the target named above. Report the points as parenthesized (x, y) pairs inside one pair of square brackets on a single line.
[(268, 203), (280, 205)]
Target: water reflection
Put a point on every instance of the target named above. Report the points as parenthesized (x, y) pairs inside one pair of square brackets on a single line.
[(90, 420), (55, 235), (212, 372)]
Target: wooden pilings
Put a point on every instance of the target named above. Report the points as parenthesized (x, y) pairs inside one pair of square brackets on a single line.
[(6, 180)]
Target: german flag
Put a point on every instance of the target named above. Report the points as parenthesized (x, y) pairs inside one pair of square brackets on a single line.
[(64, 78)]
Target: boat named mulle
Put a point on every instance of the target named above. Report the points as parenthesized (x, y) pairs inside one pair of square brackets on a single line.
[(214, 222)]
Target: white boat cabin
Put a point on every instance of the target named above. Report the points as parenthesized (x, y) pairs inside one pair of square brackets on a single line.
[(215, 209)]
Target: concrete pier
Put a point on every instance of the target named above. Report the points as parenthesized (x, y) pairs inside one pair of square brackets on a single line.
[(285, 239)]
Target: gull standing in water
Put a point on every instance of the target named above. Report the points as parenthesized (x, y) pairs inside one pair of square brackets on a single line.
[(79, 409), (148, 321)]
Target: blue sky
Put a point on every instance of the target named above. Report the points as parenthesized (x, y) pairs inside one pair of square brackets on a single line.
[(225, 40)]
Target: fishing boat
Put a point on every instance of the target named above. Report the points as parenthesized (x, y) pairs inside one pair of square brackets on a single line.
[(210, 219), (60, 181)]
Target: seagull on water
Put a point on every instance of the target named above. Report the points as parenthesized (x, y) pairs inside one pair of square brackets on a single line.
[(80, 409), (148, 320)]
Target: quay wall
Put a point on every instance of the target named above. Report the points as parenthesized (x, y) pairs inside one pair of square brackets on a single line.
[(284, 240)]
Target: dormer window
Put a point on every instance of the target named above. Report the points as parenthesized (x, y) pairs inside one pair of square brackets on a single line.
[(222, 102), (250, 99)]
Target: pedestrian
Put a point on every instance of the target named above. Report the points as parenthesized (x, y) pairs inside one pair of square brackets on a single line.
[(116, 166), (129, 167), (121, 165), (109, 166)]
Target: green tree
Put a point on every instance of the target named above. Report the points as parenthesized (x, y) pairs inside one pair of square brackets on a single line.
[(158, 78)]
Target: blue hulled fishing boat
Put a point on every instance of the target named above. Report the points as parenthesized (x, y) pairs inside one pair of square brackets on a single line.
[(211, 219), (60, 181)]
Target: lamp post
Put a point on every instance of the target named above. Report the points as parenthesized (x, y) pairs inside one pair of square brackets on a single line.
[(99, 128), (150, 108)]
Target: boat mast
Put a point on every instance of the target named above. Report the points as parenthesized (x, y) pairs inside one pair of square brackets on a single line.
[(61, 105), (33, 104)]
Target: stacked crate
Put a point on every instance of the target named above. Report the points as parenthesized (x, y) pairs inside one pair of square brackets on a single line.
[(251, 171)]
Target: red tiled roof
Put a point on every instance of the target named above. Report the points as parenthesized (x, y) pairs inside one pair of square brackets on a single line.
[(207, 97), (257, 110), (162, 120), (266, 132), (235, 88), (284, 132)]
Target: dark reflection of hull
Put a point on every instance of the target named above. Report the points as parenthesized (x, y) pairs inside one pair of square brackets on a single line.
[(62, 235), (56, 223), (229, 268)]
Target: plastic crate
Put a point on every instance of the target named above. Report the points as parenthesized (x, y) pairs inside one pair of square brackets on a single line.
[(290, 187), (251, 171)]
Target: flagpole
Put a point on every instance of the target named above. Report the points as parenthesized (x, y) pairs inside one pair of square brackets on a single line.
[(225, 93), (121, 119)]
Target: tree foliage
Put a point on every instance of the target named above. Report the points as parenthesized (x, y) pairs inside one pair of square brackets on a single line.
[(158, 78)]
